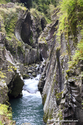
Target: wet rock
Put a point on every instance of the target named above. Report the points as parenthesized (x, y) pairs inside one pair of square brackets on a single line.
[(30, 71), (15, 86), (34, 74)]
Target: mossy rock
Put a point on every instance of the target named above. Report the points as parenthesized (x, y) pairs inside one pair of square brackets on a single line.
[(50, 115), (45, 117), (58, 96), (44, 99), (9, 14), (26, 76), (34, 74)]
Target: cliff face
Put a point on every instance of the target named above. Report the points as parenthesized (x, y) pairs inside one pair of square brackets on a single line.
[(61, 86), (19, 32)]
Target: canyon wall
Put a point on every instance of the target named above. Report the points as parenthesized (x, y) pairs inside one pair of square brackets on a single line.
[(60, 85)]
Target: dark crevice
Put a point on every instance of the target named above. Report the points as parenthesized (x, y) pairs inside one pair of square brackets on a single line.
[(41, 58), (26, 32), (43, 23), (59, 69)]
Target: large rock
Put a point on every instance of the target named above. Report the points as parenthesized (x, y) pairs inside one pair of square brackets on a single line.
[(33, 24), (9, 72), (15, 86)]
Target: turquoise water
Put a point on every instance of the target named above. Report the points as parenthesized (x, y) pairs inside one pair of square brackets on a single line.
[(28, 108)]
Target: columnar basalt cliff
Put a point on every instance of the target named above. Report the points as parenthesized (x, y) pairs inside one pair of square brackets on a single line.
[(60, 86)]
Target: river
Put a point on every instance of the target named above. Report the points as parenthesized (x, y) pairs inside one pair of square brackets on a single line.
[(28, 108)]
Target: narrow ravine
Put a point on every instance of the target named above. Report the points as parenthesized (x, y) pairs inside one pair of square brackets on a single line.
[(28, 108)]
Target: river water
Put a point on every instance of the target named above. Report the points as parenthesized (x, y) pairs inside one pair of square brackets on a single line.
[(28, 108)]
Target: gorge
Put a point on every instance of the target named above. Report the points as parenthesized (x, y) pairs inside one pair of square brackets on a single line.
[(28, 109), (50, 44)]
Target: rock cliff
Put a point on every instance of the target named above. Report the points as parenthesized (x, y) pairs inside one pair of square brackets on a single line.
[(19, 32), (60, 86)]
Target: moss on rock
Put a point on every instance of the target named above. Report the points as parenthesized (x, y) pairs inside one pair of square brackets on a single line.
[(5, 115), (9, 15), (45, 117), (44, 99), (25, 76)]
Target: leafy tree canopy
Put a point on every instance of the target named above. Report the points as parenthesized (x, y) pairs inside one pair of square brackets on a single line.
[(40, 5)]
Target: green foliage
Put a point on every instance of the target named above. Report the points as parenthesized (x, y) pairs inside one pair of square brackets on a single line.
[(46, 7), (11, 68), (2, 75), (71, 13), (10, 23), (1, 123), (59, 95), (4, 1), (42, 5), (14, 45), (5, 115), (71, 23), (78, 55), (9, 18), (4, 111)]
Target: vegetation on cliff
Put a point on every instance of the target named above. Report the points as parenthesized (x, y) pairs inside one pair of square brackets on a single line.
[(4, 1), (71, 23), (69, 38), (45, 7), (2, 75), (8, 17), (41, 5), (5, 115)]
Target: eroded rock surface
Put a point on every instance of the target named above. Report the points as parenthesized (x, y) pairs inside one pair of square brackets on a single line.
[(60, 86), (9, 72)]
